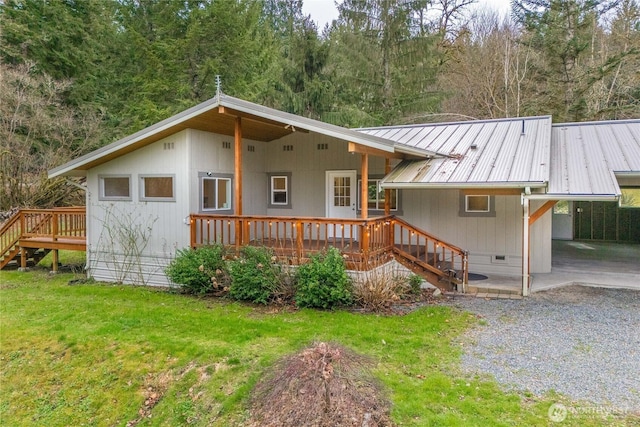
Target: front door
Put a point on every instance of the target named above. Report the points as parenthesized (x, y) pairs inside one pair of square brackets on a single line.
[(341, 197)]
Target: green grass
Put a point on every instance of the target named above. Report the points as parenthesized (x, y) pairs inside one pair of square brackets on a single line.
[(90, 354)]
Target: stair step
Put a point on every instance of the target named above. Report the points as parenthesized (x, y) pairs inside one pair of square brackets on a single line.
[(493, 290)]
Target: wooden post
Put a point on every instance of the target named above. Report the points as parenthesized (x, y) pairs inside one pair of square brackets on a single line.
[(54, 227), (23, 259), (237, 183), (387, 192), (299, 240), (54, 266), (364, 191), (192, 223)]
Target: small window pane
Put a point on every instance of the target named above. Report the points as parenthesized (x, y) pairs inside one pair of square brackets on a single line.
[(279, 183), (116, 187), (561, 208), (630, 198), (280, 198), (158, 187), (477, 203), (224, 192), (208, 193)]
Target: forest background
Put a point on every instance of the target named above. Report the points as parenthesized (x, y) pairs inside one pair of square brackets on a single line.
[(78, 74)]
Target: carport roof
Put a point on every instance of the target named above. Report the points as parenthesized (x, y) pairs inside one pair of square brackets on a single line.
[(587, 157)]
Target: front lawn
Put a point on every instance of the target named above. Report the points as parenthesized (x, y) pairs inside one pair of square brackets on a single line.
[(101, 354)]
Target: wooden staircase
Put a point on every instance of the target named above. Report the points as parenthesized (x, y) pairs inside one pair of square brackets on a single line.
[(30, 234), (440, 263)]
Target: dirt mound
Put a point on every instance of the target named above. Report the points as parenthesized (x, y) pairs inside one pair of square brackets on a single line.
[(323, 385)]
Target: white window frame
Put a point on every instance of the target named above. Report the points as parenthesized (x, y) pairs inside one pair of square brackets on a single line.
[(273, 191), (216, 177), (379, 203), (144, 198), (101, 191), (466, 203), (464, 210)]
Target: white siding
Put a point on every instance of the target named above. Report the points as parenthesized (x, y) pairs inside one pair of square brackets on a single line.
[(162, 222), (308, 165), (436, 211), (207, 154)]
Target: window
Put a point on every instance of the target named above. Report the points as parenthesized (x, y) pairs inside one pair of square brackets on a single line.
[(376, 196), (115, 187), (561, 208), (215, 192), (280, 190), (477, 205), (630, 197), (157, 188)]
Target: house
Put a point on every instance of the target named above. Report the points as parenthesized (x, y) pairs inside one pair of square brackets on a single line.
[(485, 196)]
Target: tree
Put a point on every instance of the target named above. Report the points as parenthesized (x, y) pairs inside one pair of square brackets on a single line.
[(37, 133), (383, 59), (566, 32)]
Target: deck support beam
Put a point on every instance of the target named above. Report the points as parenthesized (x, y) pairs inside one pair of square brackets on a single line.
[(387, 191), (54, 262), (364, 208), (364, 190), (237, 182)]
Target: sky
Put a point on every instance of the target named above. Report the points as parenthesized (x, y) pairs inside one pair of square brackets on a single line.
[(324, 11)]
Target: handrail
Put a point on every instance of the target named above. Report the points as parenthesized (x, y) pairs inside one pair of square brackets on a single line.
[(362, 241), (10, 233), (56, 223), (430, 252)]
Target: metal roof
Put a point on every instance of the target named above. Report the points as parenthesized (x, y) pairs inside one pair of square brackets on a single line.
[(586, 157), (259, 123), (498, 153)]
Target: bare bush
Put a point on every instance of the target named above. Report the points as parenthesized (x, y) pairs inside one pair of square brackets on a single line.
[(380, 288), (323, 385)]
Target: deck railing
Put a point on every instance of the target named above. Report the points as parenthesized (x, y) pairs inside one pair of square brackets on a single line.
[(430, 252), (364, 242), (55, 224)]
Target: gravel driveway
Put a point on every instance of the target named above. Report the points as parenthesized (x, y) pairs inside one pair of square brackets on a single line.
[(579, 341)]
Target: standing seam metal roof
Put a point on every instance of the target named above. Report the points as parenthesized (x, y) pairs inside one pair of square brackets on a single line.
[(507, 152), (587, 156)]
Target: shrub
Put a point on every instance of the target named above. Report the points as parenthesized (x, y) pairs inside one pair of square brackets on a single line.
[(199, 270), (254, 275), (323, 385), (323, 282), (379, 288), (415, 282)]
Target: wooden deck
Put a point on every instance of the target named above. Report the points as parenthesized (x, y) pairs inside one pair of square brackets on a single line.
[(364, 243), (32, 233)]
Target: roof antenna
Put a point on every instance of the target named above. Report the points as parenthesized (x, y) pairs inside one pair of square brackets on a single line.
[(218, 86)]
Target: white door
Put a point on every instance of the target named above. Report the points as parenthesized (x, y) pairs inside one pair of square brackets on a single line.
[(341, 198), (562, 221)]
